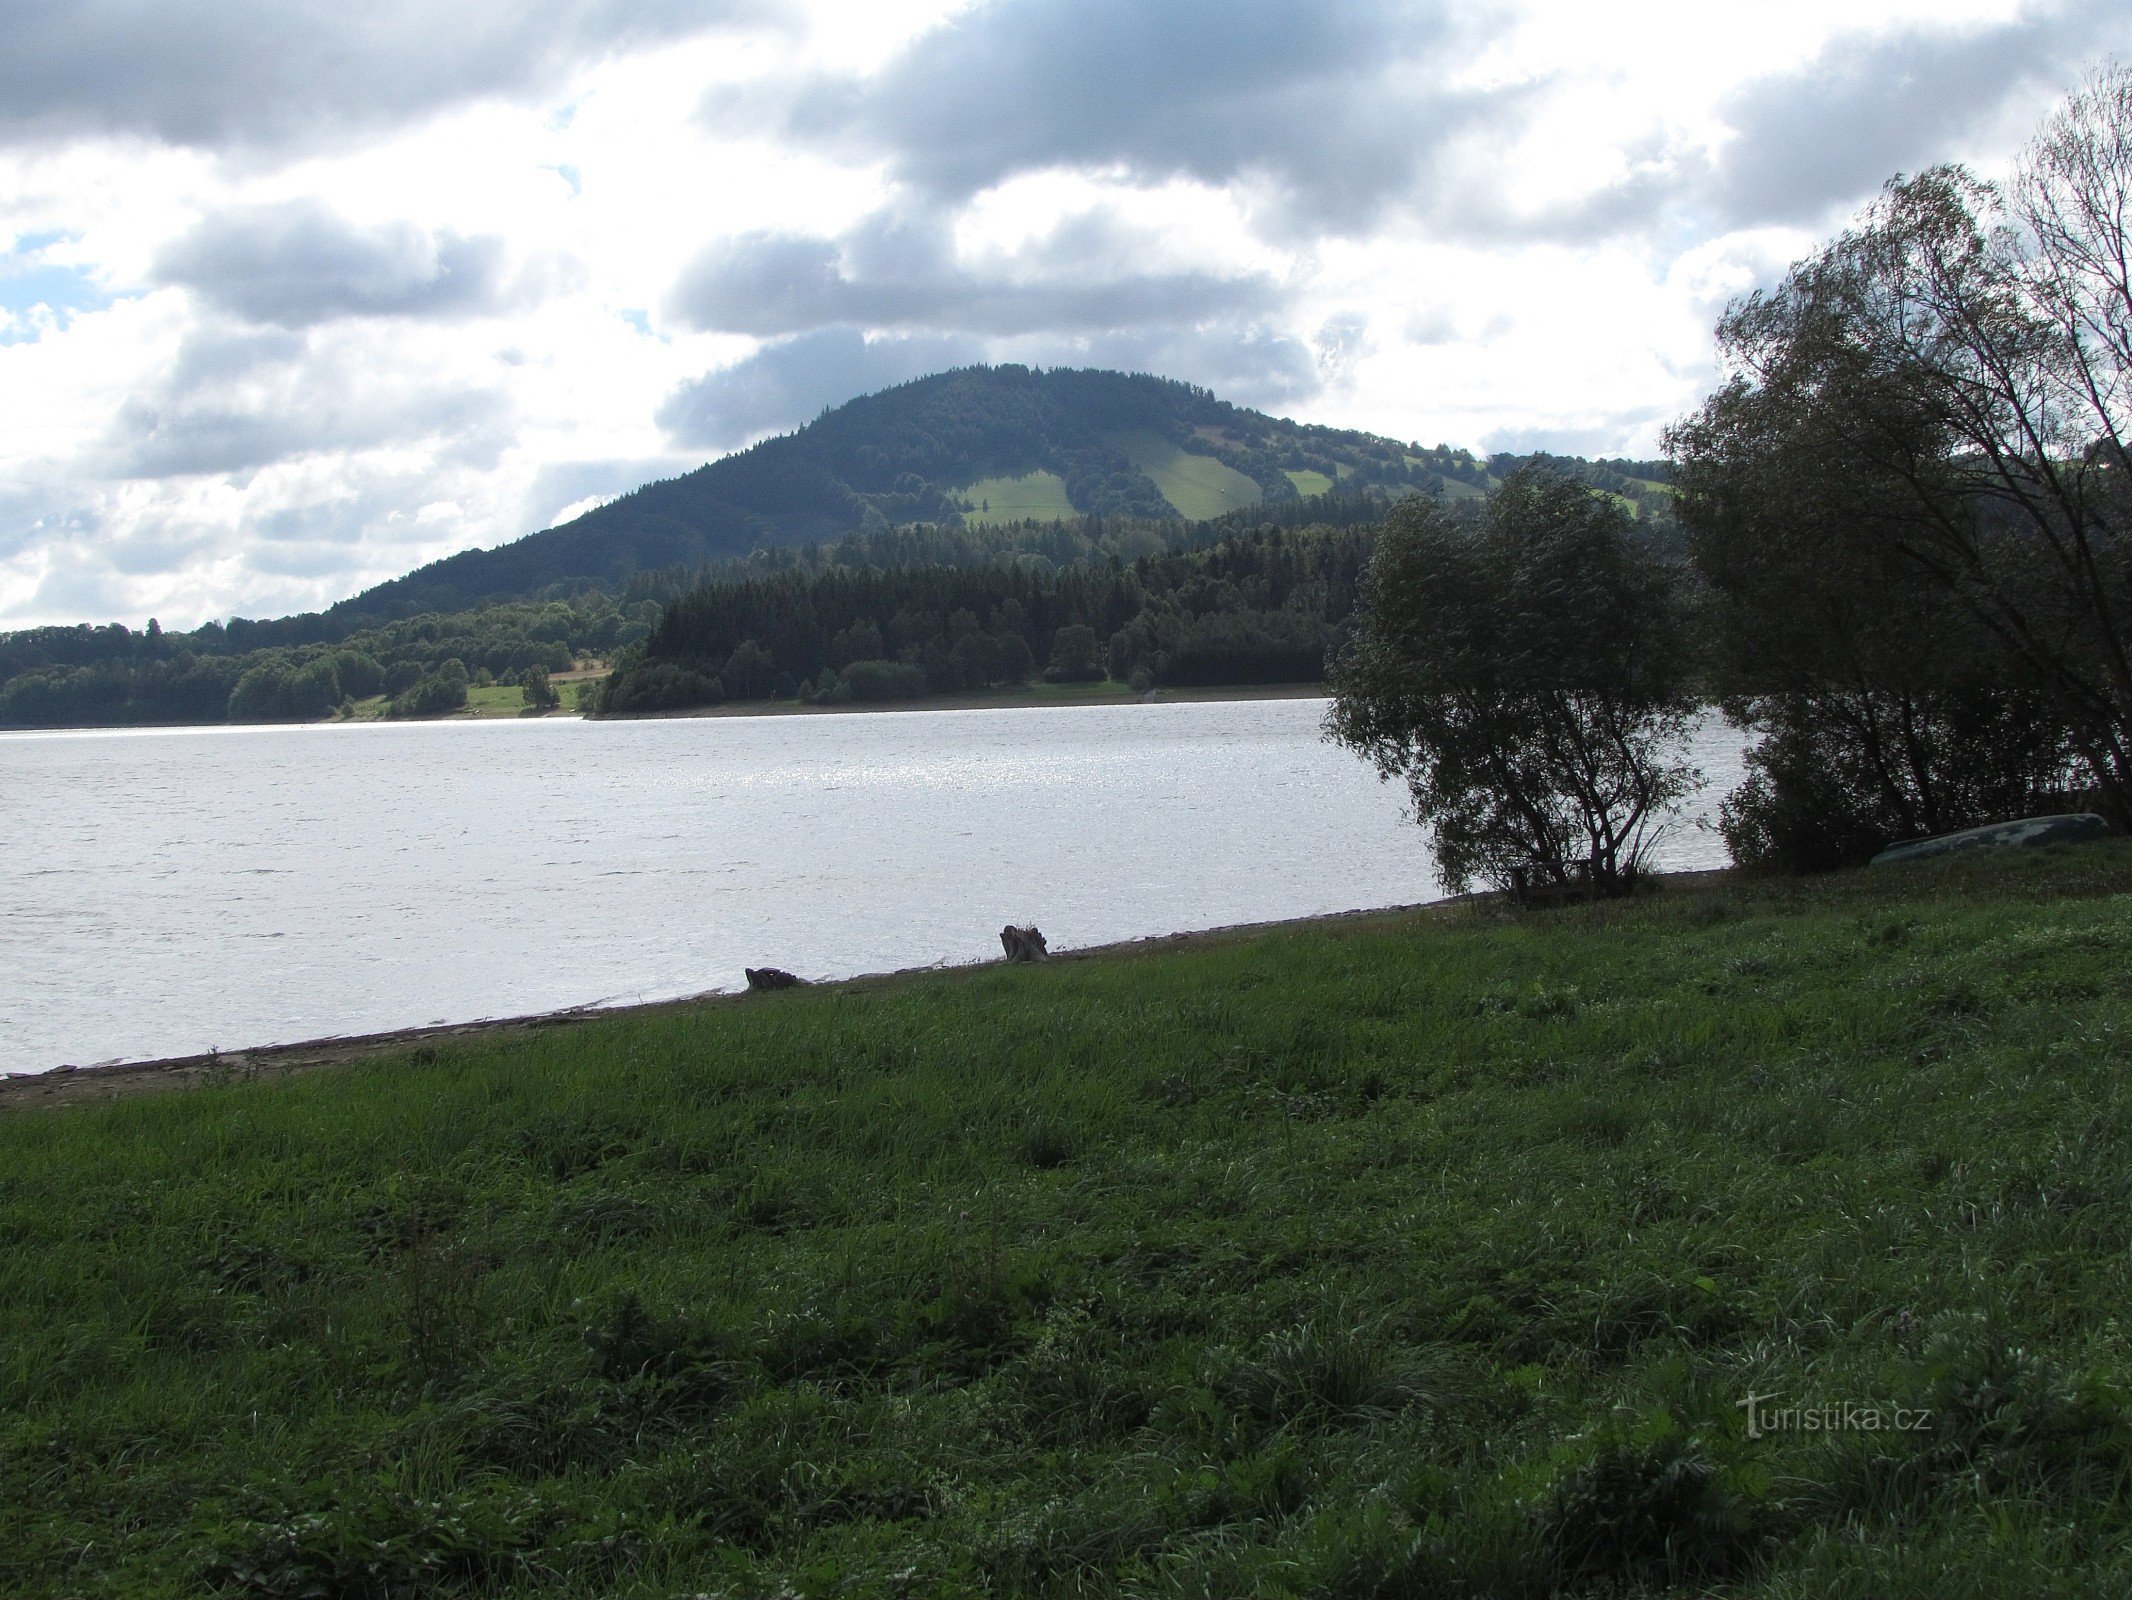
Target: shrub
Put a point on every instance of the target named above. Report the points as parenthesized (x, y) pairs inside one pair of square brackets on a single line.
[(1837, 778), (438, 694)]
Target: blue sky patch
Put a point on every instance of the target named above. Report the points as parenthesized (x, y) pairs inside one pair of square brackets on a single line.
[(27, 284), (61, 288)]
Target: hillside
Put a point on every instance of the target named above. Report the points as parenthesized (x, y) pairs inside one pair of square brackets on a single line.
[(973, 468), (981, 444), (1412, 1255)]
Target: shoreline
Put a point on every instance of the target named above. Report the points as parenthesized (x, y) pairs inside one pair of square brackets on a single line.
[(119, 1079), (72, 1085), (979, 700), (973, 700)]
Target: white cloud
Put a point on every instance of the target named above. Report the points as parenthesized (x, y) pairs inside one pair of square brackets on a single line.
[(293, 317)]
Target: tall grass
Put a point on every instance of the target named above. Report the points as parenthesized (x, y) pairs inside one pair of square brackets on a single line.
[(1418, 1257)]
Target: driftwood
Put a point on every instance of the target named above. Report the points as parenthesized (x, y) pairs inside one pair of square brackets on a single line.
[(761, 978), (1023, 944)]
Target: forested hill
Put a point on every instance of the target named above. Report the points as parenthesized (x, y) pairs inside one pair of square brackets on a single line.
[(974, 446), (1046, 471)]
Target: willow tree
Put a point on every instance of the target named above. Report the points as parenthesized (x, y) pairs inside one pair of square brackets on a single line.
[(1963, 358), (1526, 671)]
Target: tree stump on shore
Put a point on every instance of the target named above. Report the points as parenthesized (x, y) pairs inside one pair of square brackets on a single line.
[(1023, 944)]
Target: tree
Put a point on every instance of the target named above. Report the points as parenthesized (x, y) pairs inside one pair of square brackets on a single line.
[(750, 673), (1526, 671), (1966, 354), (1076, 655), (540, 694), (436, 694), (1883, 707)]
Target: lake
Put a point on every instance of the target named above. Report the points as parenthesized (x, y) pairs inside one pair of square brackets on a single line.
[(169, 891)]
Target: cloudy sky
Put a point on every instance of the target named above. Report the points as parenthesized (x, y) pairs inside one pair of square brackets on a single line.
[(296, 295)]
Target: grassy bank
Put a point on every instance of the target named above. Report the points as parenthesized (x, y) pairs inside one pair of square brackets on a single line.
[(1423, 1257)]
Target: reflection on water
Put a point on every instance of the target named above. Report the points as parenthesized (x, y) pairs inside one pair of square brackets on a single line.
[(169, 891)]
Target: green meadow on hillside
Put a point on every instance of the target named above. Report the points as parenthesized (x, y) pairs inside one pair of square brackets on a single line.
[(1034, 496), (1198, 486), (1428, 1254)]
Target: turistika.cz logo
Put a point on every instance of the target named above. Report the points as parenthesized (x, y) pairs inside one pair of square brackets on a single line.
[(1764, 1416)]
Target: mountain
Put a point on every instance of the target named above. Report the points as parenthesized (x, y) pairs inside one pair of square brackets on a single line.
[(976, 445), (1066, 472)]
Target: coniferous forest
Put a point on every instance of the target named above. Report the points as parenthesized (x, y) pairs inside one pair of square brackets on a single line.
[(1263, 607)]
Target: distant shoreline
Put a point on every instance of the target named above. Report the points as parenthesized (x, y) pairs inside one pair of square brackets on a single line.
[(978, 700), (986, 700)]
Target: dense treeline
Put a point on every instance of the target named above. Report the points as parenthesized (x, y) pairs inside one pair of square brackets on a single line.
[(85, 677), (1257, 607)]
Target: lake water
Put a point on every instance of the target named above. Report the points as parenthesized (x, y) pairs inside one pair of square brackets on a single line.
[(169, 891)]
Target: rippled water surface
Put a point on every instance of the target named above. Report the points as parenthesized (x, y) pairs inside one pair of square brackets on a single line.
[(170, 891)]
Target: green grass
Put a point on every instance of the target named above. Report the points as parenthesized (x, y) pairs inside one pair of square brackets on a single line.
[(1198, 486), (496, 700), (1038, 496), (1422, 1256), (1309, 483)]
